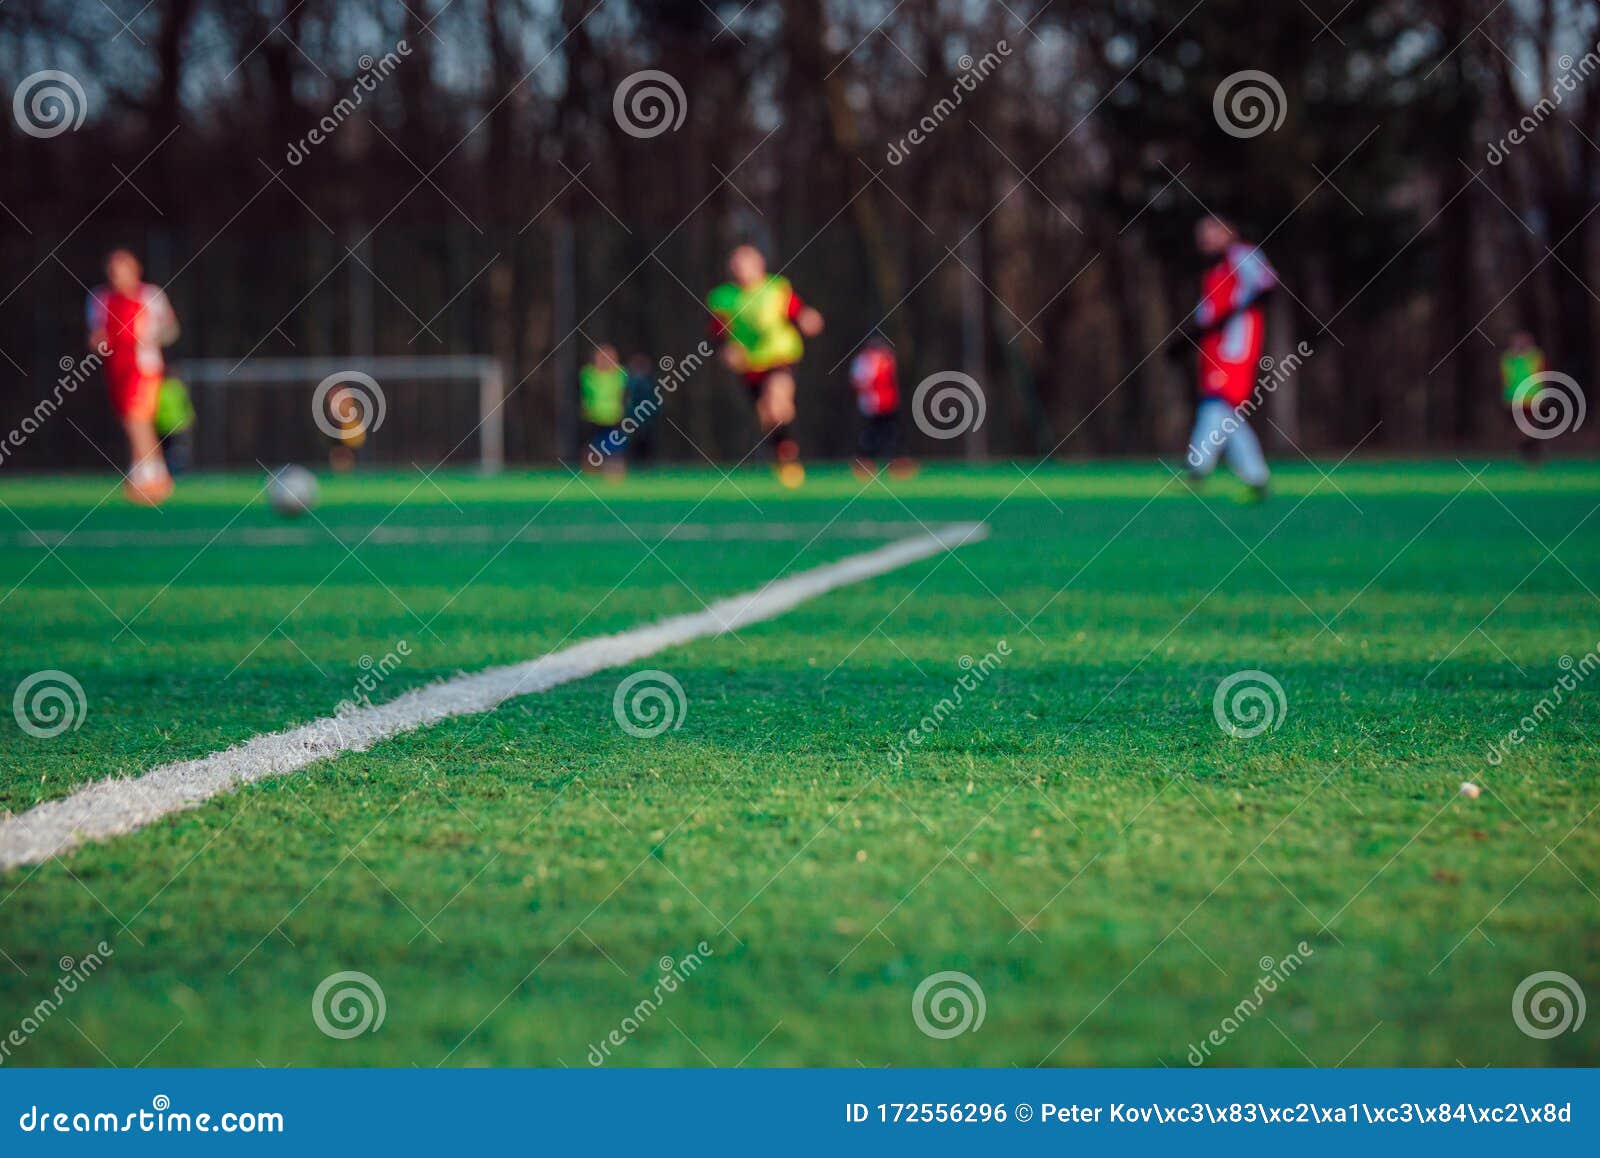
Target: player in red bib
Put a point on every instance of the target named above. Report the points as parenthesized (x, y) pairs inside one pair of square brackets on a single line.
[(129, 321), (875, 375), (1229, 328)]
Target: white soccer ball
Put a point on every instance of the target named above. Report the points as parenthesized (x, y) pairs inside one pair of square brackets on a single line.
[(292, 490)]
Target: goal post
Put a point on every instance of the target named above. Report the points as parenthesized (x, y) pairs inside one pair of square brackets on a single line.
[(411, 408)]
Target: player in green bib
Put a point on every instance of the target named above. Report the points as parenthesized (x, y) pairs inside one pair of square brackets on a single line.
[(763, 324), (602, 386), (1520, 367), (174, 423)]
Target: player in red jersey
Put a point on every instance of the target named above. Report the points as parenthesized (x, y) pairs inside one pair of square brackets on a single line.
[(875, 375), (129, 321), (1229, 329)]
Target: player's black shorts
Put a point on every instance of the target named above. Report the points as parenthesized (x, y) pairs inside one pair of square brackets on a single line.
[(755, 381), (880, 436), (597, 437)]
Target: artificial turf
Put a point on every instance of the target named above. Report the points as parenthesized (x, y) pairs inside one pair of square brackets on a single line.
[(1077, 835)]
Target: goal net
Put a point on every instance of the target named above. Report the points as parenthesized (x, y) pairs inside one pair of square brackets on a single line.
[(401, 410)]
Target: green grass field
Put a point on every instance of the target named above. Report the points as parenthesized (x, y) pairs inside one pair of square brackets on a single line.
[(1078, 836)]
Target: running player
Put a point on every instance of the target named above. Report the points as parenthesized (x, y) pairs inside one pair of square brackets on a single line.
[(132, 320), (762, 324), (876, 377), (1522, 361), (1229, 329)]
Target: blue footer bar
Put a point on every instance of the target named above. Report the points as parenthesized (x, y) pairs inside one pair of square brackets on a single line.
[(799, 1111)]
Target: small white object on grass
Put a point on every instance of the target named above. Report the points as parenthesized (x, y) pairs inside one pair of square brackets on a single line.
[(292, 490), (1470, 790)]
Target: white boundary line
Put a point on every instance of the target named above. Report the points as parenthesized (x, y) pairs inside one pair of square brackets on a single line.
[(112, 807)]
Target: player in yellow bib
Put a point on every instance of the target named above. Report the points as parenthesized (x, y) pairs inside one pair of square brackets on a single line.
[(602, 386), (763, 324)]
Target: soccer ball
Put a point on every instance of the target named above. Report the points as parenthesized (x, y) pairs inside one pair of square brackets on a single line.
[(148, 485), (292, 490)]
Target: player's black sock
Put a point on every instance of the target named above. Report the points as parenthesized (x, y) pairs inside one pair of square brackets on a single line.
[(784, 447)]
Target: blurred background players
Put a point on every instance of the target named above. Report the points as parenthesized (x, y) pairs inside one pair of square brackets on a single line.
[(1228, 329), (762, 323), (641, 394), (875, 375), (174, 421), (602, 389), (347, 425), (130, 321), (1522, 362)]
